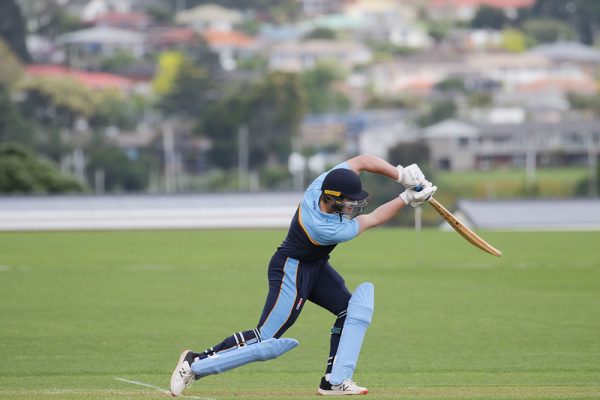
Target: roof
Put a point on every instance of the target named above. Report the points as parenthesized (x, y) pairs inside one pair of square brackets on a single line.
[(208, 13), (228, 38), (563, 85), (101, 34), (450, 128), (503, 4), (572, 51), (92, 80), (172, 35), (576, 214)]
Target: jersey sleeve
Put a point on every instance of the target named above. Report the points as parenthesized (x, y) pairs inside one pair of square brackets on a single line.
[(342, 232)]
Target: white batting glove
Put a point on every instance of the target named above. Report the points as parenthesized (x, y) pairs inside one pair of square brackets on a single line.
[(414, 198), (410, 176)]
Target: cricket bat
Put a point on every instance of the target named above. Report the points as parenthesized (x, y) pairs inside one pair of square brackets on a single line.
[(465, 232)]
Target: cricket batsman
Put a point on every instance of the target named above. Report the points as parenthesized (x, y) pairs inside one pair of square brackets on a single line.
[(299, 271)]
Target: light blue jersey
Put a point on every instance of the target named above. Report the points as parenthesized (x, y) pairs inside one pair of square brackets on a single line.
[(313, 234)]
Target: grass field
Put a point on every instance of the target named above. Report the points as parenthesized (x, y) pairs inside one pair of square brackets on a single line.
[(78, 310), (511, 183)]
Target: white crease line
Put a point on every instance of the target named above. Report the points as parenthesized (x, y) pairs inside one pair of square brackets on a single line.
[(158, 388)]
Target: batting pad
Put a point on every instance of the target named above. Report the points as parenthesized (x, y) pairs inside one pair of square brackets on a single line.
[(261, 351), (358, 319)]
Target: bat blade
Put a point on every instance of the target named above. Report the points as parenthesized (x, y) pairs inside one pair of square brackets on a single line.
[(465, 232)]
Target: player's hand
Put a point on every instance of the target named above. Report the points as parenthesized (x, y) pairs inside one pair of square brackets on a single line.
[(410, 176), (414, 198)]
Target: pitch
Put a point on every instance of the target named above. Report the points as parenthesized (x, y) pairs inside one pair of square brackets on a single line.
[(80, 309)]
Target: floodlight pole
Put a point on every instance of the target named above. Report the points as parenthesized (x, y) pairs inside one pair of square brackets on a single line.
[(243, 156)]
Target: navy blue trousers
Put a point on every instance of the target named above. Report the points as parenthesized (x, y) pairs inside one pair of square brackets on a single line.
[(291, 284)]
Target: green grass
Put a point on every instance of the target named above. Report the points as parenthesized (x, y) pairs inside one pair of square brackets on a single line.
[(451, 322), (509, 183)]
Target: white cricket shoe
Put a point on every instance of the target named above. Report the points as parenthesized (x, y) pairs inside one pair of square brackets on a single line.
[(183, 376), (347, 387)]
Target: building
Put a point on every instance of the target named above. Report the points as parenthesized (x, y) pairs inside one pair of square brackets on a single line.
[(87, 47), (230, 46), (416, 74), (569, 52), (297, 56), (459, 146), (451, 145), (209, 16), (313, 8)]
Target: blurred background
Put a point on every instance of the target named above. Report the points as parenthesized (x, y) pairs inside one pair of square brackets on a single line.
[(199, 111)]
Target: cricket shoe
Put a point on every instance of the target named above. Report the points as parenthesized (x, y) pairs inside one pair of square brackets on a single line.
[(346, 388), (183, 376)]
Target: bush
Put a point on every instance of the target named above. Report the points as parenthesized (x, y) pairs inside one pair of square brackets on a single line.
[(22, 172)]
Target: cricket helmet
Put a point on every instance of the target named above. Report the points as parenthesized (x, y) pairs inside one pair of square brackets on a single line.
[(343, 188)]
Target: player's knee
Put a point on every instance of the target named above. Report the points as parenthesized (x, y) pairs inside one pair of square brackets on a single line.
[(362, 304)]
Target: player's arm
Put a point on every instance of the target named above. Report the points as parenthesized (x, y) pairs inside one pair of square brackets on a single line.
[(410, 176), (373, 164), (380, 215), (386, 211)]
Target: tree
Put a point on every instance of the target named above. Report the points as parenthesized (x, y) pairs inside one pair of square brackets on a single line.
[(13, 127), (489, 18), (56, 102), (10, 67), (191, 91), (320, 94), (582, 15), (320, 33), (513, 40), (22, 172), (581, 102), (276, 109), (271, 109), (12, 29), (439, 111), (188, 82), (451, 85), (120, 172), (169, 63), (547, 30), (410, 153)]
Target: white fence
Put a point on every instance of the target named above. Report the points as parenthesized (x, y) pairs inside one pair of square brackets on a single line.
[(231, 210)]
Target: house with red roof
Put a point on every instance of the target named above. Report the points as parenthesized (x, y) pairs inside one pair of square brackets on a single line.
[(91, 80), (172, 37), (231, 46)]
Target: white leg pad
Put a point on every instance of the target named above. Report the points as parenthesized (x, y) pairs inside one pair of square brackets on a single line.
[(358, 319), (261, 351)]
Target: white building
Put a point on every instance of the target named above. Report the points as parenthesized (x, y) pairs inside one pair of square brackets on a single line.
[(209, 16), (86, 47), (297, 56)]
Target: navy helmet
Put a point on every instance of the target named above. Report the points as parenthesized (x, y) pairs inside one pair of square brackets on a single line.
[(343, 188)]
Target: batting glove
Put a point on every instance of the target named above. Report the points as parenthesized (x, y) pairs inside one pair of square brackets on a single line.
[(410, 176), (414, 198)]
